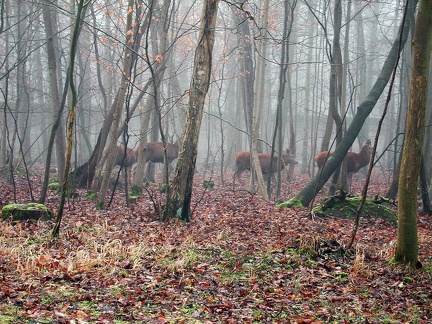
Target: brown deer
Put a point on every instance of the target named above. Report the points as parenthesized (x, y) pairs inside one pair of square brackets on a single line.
[(128, 160), (243, 162), (354, 161), (154, 152)]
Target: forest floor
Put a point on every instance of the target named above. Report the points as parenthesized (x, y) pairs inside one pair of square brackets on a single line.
[(240, 260)]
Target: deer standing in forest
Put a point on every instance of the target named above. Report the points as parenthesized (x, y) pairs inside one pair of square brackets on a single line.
[(126, 160), (243, 162), (154, 152), (354, 161)]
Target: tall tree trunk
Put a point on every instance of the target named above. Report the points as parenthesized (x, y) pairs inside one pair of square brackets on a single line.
[(259, 102), (161, 34), (407, 240), (283, 71), (247, 80), (71, 117), (180, 191), (53, 43), (118, 105), (309, 138), (336, 84)]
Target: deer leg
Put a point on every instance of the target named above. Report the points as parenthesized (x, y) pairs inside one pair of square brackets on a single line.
[(237, 175), (234, 179)]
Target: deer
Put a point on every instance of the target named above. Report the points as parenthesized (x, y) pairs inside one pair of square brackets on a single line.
[(154, 152), (354, 161), (243, 162), (128, 160)]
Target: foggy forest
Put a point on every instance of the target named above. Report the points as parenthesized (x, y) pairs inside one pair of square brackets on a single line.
[(148, 117)]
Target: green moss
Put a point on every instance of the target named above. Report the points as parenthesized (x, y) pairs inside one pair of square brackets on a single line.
[(91, 195), (54, 186), (293, 202), (100, 205), (136, 191), (208, 185), (27, 211), (346, 207)]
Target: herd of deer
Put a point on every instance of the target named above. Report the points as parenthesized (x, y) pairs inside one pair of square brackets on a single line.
[(154, 152)]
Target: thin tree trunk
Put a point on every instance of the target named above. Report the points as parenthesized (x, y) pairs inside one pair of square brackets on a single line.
[(71, 117), (180, 191), (52, 42), (118, 106), (335, 85), (258, 103)]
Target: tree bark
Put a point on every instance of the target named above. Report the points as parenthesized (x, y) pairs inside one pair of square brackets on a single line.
[(180, 191), (335, 86), (283, 73), (407, 240), (247, 81), (52, 43), (71, 118), (258, 104), (118, 106)]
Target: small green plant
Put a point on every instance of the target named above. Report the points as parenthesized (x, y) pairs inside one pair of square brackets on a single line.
[(408, 280), (91, 195), (136, 191), (208, 185), (54, 186)]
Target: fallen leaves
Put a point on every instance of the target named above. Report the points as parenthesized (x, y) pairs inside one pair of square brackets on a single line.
[(240, 260)]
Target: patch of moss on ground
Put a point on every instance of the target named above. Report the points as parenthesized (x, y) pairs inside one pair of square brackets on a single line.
[(335, 206), (293, 202), (26, 211), (54, 186)]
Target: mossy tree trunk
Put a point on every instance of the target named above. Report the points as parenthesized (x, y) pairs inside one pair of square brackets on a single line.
[(407, 241)]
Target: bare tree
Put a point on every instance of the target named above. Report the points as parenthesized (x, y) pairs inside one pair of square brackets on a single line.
[(71, 116), (180, 191), (119, 100), (283, 71), (260, 85), (52, 43)]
